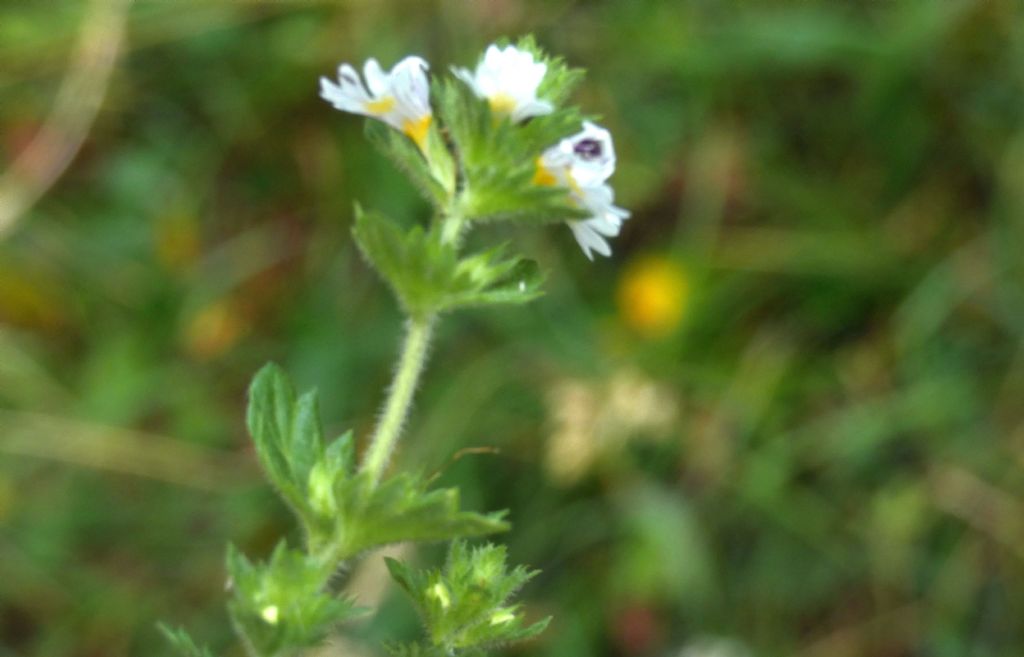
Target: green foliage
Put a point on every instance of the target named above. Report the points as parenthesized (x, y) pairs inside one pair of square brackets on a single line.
[(428, 276), (498, 158), (465, 606), (434, 179), (401, 509), (560, 80), (839, 181), (413, 649), (183, 642), (287, 434), (342, 513), (280, 606)]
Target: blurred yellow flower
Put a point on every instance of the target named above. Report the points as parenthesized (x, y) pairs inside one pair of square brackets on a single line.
[(652, 295), (214, 330)]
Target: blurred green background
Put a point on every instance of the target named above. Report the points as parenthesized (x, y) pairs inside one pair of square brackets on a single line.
[(785, 419)]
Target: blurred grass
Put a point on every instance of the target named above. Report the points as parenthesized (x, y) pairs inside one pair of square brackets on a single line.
[(823, 454)]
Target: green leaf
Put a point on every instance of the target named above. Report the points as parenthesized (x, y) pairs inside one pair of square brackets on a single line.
[(486, 278), (280, 606), (269, 418), (465, 606), (414, 263), (493, 197), (412, 650), (434, 180), (440, 161), (183, 643), (428, 277), (286, 432), (560, 80), (342, 513), (307, 441), (402, 509)]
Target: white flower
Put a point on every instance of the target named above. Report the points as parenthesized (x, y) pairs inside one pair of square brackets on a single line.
[(582, 163), (508, 78), (400, 98), (606, 221), (583, 160)]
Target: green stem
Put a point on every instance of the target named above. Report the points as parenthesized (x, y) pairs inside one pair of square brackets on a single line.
[(410, 366), (396, 408)]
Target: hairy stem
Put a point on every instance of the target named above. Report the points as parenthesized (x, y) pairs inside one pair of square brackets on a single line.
[(410, 366), (399, 401)]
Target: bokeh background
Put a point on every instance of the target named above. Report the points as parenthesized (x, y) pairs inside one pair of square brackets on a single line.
[(784, 419)]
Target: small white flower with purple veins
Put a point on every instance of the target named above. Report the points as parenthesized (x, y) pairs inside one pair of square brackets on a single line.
[(582, 163), (582, 160), (508, 78), (400, 97)]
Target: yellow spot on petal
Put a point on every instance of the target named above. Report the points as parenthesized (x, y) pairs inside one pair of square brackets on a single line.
[(543, 175), (652, 296), (502, 103), (381, 105), (440, 593), (417, 130), (271, 614)]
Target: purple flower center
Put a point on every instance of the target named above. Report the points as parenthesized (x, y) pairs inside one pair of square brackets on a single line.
[(588, 149)]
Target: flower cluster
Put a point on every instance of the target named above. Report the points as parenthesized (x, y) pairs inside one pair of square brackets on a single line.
[(517, 86)]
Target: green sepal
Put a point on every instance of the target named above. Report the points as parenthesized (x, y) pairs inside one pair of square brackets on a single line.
[(465, 606), (182, 642), (435, 180), (427, 275), (280, 605)]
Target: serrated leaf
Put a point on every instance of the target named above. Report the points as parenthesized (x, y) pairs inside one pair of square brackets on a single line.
[(488, 279), (307, 441), (281, 605), (465, 606), (401, 509), (341, 512), (404, 154), (182, 642), (465, 116), (269, 418), (286, 432), (413, 262), (428, 277), (560, 80), (411, 650)]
